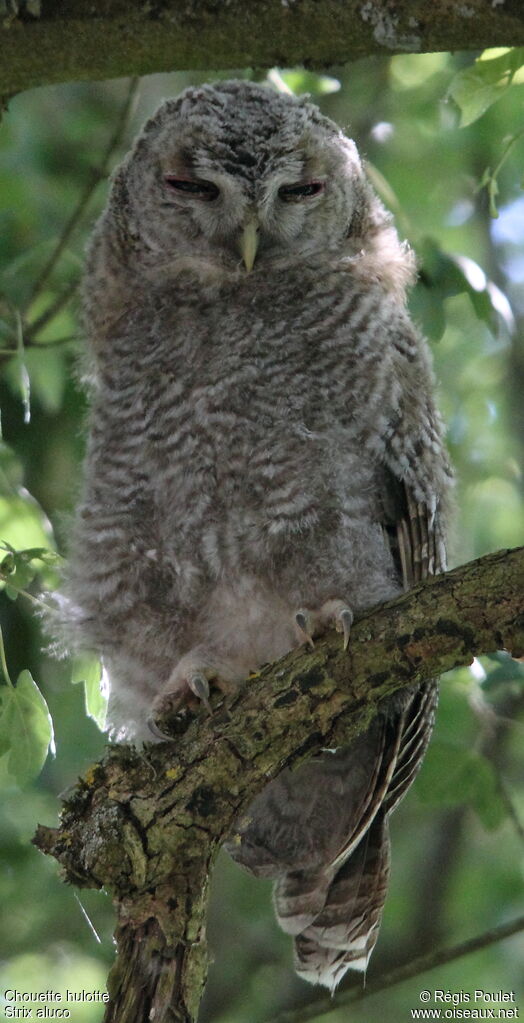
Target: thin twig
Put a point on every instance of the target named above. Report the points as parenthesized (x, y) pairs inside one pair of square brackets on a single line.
[(414, 967), (42, 345), (49, 314), (3, 662), (55, 343), (97, 175), (37, 601)]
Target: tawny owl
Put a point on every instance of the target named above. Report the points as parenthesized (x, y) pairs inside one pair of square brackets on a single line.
[(265, 458)]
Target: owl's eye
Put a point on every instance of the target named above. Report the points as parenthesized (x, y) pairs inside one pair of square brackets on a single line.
[(294, 193), (191, 187)]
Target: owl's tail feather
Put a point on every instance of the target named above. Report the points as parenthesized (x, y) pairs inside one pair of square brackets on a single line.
[(304, 896), (299, 896), (344, 933), (322, 834)]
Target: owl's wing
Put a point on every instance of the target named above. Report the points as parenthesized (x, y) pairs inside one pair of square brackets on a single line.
[(415, 532), (343, 933)]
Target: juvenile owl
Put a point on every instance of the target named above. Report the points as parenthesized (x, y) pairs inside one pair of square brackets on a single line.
[(264, 459)]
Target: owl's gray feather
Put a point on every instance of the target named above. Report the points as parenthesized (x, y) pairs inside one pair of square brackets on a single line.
[(263, 442)]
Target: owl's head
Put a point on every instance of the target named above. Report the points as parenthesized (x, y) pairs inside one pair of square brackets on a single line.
[(239, 177)]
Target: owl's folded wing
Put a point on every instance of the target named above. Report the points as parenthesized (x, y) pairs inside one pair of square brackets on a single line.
[(343, 933)]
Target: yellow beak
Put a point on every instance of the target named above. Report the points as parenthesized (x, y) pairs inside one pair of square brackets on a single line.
[(249, 243)]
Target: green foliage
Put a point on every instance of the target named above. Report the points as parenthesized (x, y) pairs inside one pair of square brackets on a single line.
[(441, 276), (431, 171), (26, 731), (87, 669), (476, 88), (489, 179), (26, 728), (60, 971), (21, 521), (19, 568), (454, 776), (300, 81)]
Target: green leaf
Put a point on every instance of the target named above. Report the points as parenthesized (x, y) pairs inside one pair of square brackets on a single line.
[(88, 669), (18, 568), (11, 471), (26, 731), (452, 775), (443, 275), (300, 81), (427, 309), (23, 524), (489, 179), (476, 88), (48, 368), (502, 670)]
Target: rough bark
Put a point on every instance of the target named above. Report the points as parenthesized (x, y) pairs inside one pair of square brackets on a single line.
[(147, 824), (43, 41)]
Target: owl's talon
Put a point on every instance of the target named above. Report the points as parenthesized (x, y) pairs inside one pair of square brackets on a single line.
[(199, 685), (313, 623), (302, 621), (155, 730), (343, 624)]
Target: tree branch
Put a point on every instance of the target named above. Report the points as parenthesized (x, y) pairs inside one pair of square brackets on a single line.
[(97, 175), (147, 825), (85, 39)]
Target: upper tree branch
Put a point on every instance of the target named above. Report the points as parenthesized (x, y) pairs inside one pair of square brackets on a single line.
[(88, 39), (147, 825)]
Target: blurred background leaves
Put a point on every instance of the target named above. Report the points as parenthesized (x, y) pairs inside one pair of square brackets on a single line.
[(442, 137)]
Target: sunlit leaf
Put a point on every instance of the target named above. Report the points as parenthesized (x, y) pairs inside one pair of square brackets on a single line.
[(446, 275), (26, 731), (299, 81), (477, 87), (23, 524), (19, 568), (88, 669), (48, 371), (412, 70)]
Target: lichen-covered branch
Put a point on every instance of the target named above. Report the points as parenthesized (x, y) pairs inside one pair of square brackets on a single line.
[(147, 824), (43, 42)]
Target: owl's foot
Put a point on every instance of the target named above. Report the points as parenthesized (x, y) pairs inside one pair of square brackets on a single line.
[(189, 686), (309, 624), (167, 704)]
